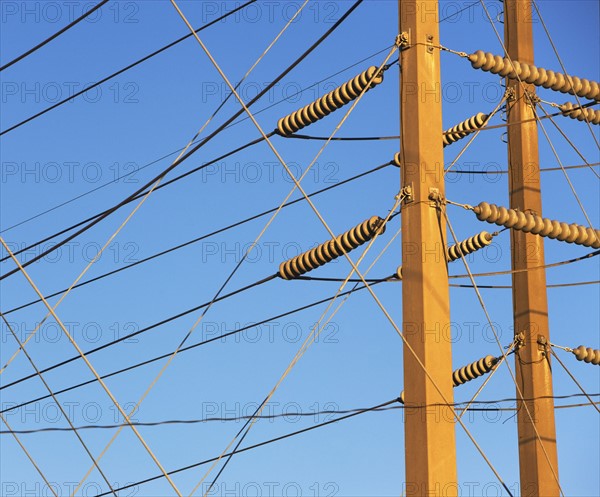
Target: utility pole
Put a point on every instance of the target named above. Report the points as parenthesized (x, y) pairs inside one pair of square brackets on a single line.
[(430, 442), (537, 455)]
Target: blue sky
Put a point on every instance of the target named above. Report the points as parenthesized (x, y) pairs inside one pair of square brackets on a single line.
[(153, 110)]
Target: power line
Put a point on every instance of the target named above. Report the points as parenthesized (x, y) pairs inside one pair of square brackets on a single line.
[(379, 407), (194, 149), (143, 330), (163, 356), (505, 287), (60, 407), (121, 71), (299, 414), (77, 197), (200, 238), (255, 446), (55, 35), (135, 197)]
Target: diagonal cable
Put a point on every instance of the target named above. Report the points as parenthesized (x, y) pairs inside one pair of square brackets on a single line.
[(157, 183), (573, 378), (560, 61), (315, 332), (59, 405), (29, 456), (197, 146), (504, 354), (346, 255), (91, 367), (55, 35)]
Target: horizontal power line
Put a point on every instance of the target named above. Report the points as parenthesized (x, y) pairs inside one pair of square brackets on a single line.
[(162, 356), (298, 414), (200, 238)]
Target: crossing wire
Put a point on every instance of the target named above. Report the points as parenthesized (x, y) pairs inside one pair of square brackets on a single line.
[(266, 442), (165, 321), (301, 414), (352, 263), (144, 197), (555, 153), (296, 181), (560, 61), (487, 380), (139, 332), (121, 71), (164, 356), (570, 142), (196, 147), (29, 456), (475, 134), (125, 175), (573, 377), (94, 372), (138, 195), (59, 405), (203, 237), (245, 108), (255, 446), (81, 274), (55, 35)]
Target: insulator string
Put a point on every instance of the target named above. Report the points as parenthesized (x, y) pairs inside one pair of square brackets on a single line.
[(531, 223), (537, 76)]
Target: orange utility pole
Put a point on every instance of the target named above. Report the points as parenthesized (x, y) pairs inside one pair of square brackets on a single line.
[(430, 445), (537, 451)]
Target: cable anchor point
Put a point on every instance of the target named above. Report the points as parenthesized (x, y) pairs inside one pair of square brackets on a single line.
[(403, 40)]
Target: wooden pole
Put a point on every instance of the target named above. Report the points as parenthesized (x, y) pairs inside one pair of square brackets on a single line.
[(430, 443), (538, 459)]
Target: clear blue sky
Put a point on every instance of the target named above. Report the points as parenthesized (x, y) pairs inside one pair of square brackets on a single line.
[(153, 110)]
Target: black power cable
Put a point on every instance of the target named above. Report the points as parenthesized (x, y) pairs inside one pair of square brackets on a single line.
[(200, 238), (143, 330), (196, 147), (163, 356), (121, 71), (55, 35), (255, 446), (299, 414), (136, 197), (299, 92)]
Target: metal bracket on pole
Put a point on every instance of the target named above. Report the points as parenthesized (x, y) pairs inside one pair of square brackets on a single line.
[(403, 40), (430, 43), (407, 193)]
